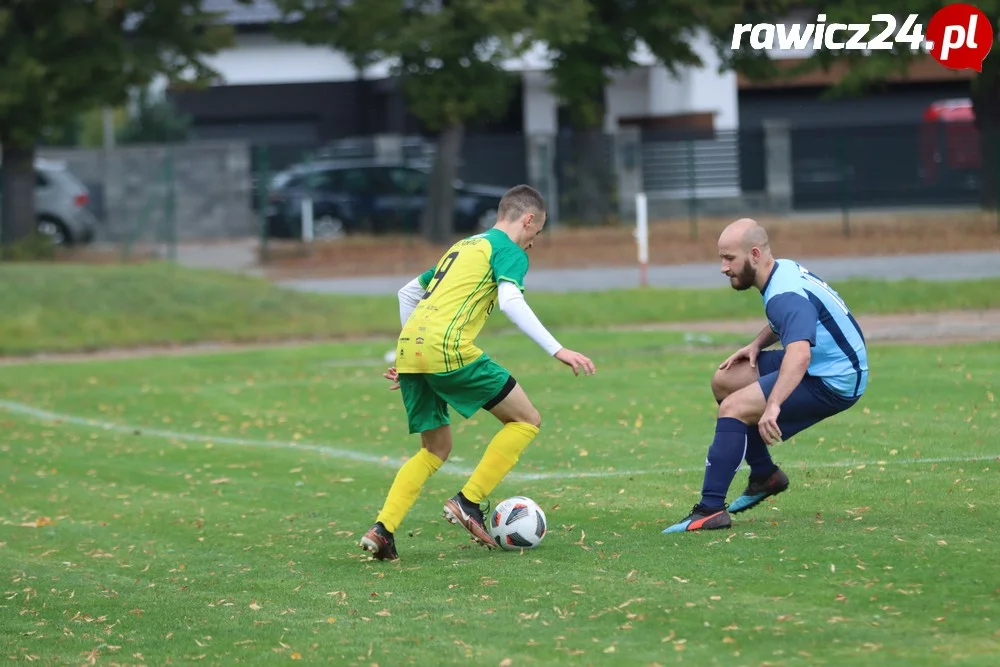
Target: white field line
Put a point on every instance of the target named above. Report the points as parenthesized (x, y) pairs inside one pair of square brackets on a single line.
[(389, 462)]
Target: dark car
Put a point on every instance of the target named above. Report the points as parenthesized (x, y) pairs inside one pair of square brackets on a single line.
[(350, 197)]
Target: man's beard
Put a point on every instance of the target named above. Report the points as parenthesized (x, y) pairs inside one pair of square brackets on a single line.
[(745, 278)]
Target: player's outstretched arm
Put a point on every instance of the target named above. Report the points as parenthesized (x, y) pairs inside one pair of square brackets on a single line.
[(512, 303)]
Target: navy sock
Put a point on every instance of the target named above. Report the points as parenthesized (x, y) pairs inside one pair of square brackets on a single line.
[(758, 456), (724, 459)]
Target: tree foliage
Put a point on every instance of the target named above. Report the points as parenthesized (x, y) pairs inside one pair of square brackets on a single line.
[(154, 119), (448, 56), (584, 61), (361, 30), (65, 57)]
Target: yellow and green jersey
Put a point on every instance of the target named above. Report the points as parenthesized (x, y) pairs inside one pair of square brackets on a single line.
[(461, 292)]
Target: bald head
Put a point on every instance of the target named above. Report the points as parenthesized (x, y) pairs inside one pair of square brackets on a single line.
[(744, 233), (745, 252)]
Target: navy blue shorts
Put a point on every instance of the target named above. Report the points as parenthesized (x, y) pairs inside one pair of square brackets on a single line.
[(809, 403)]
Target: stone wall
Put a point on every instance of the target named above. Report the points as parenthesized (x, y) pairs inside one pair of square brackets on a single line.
[(211, 182)]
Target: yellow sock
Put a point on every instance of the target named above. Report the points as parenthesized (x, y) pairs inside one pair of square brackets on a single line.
[(406, 487), (498, 460)]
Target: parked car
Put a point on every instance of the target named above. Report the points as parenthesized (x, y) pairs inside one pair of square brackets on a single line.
[(367, 196), (61, 205)]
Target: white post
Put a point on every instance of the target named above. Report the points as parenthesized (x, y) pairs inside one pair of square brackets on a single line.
[(642, 236), (307, 220), (108, 122)]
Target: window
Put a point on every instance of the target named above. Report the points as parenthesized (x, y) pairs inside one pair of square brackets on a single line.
[(408, 181), (356, 181), (326, 180)]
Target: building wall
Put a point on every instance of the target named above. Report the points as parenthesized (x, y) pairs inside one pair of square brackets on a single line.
[(319, 96), (260, 58), (295, 112), (647, 90), (319, 91), (279, 92)]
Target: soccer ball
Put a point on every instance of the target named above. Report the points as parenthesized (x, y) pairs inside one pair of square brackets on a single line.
[(517, 523)]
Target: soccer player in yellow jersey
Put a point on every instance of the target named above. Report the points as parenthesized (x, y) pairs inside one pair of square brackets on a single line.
[(438, 364)]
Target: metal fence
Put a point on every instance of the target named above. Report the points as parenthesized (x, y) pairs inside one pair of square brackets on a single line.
[(826, 168), (890, 166), (485, 159), (674, 167), (221, 189)]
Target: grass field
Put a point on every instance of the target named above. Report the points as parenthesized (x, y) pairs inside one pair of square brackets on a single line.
[(67, 308), (207, 509)]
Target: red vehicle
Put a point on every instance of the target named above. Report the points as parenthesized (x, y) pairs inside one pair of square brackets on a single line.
[(949, 140)]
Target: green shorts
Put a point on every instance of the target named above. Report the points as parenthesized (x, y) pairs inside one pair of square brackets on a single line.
[(480, 385)]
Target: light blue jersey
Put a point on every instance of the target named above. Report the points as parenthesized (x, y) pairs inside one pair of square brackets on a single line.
[(801, 306)]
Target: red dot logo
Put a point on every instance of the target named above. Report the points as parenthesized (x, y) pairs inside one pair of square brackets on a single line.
[(960, 37)]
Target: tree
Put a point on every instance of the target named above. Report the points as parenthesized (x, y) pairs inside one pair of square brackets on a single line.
[(64, 57), (449, 57), (450, 60), (154, 120), (360, 30), (583, 65), (865, 71)]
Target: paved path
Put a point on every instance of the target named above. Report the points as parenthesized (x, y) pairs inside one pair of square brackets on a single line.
[(945, 266)]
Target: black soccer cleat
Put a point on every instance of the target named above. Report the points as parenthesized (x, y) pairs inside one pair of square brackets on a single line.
[(380, 542), (467, 514)]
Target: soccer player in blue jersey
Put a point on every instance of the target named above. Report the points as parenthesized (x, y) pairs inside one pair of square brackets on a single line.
[(769, 395)]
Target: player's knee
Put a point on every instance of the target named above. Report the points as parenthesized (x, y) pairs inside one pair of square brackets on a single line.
[(528, 415), (437, 442), (719, 387), (442, 451), (730, 406)]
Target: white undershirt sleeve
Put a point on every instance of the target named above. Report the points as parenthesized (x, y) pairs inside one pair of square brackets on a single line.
[(409, 296), (512, 303)]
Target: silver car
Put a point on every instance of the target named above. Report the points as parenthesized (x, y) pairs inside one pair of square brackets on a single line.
[(61, 205)]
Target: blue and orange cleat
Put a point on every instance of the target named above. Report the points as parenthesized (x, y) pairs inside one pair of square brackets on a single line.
[(702, 518), (759, 489)]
